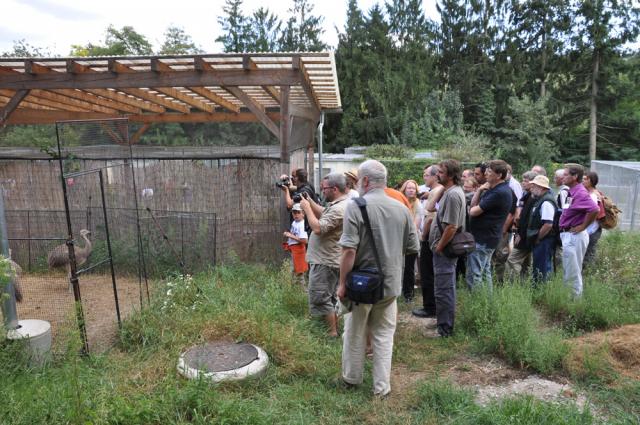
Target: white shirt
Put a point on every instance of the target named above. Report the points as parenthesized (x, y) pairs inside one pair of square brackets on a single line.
[(297, 229)]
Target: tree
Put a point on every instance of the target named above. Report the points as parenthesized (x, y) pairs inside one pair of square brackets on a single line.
[(264, 31), (22, 49), (177, 42), (527, 136), (125, 41), (303, 30), (604, 28), (235, 27)]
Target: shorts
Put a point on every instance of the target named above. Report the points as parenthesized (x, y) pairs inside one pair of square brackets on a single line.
[(323, 281)]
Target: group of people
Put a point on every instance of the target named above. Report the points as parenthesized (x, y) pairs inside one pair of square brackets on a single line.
[(518, 230)]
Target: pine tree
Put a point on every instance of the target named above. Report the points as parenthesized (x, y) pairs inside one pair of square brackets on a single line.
[(264, 30), (235, 27), (605, 28), (303, 30)]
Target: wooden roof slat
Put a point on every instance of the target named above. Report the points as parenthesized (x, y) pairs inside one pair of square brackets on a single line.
[(41, 116), (257, 109), (4, 100), (55, 97), (91, 98), (159, 66), (159, 100), (306, 85), (124, 99), (189, 100)]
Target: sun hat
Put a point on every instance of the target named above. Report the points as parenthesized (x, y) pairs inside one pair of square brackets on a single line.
[(541, 181), (296, 207), (352, 174)]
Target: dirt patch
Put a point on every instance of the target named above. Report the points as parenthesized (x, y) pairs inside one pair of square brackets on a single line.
[(619, 349), (47, 297)]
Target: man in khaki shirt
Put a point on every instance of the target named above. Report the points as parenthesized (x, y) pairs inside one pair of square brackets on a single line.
[(323, 251), (395, 236)]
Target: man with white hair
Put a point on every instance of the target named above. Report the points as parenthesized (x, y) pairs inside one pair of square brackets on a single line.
[(395, 236)]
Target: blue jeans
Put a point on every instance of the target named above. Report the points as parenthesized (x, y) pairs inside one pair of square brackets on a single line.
[(479, 267), (542, 256)]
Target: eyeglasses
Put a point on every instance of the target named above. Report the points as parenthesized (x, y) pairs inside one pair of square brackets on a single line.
[(327, 187)]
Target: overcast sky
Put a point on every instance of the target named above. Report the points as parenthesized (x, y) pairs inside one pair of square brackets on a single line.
[(57, 24)]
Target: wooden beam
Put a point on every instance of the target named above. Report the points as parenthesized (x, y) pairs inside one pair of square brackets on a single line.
[(138, 134), (183, 97), (249, 65), (48, 104), (302, 112), (285, 124), (297, 64), (159, 66), (37, 116), (91, 98), (187, 78), (55, 97), (25, 104), (124, 99), (159, 100), (7, 110), (33, 68), (206, 93), (256, 109)]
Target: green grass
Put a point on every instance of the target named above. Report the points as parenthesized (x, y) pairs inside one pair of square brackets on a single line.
[(137, 383)]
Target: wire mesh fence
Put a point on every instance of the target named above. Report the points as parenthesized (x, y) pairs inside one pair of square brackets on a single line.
[(620, 180), (193, 210)]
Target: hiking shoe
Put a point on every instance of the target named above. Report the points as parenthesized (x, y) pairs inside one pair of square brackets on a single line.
[(421, 312)]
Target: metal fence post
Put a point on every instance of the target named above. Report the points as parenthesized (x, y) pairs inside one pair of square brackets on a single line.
[(634, 202), (9, 311)]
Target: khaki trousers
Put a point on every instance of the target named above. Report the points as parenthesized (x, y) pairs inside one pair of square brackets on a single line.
[(380, 319), (517, 264)]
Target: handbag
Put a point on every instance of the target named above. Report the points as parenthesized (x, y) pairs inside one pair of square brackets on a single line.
[(461, 244), (366, 285)]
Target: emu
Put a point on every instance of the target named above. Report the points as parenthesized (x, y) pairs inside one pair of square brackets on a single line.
[(59, 256)]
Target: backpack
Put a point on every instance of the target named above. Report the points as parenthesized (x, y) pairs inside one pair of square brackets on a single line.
[(611, 213)]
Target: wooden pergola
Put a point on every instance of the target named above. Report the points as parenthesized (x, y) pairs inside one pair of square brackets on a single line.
[(270, 88)]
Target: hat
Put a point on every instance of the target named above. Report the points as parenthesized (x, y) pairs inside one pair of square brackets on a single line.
[(296, 207), (352, 174), (541, 181)]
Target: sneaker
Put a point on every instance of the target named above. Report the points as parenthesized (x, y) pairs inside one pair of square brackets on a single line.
[(421, 312)]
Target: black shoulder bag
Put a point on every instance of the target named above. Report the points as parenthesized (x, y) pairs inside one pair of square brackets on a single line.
[(461, 244), (366, 285)]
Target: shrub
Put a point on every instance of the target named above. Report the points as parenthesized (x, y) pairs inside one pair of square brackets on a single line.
[(506, 323)]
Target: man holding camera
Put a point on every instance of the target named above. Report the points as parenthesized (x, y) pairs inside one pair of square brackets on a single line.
[(296, 186), (323, 254)]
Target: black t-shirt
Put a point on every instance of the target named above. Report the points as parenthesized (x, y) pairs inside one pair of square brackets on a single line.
[(308, 189), (496, 203)]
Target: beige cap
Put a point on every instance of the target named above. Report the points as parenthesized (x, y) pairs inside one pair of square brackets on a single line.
[(541, 181), (296, 207)]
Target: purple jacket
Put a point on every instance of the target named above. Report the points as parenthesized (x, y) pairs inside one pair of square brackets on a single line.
[(580, 205)]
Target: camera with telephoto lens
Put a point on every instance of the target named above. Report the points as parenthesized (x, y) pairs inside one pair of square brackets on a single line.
[(296, 198), (285, 181)]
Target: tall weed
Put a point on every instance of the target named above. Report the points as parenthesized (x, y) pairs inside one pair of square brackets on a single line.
[(506, 323)]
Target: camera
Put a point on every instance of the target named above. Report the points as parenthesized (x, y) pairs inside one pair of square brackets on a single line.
[(285, 181), (296, 198)]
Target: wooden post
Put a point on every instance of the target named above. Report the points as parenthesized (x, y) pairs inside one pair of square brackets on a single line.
[(285, 123)]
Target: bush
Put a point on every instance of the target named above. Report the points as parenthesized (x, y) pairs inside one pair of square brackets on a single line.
[(506, 323), (401, 170)]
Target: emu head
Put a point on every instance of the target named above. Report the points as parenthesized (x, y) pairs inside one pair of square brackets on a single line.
[(85, 232)]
